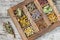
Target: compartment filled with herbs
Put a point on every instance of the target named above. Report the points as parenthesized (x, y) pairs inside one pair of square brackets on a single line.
[(36, 15), (29, 31), (43, 2), (24, 22), (47, 9), (31, 6), (50, 13), (52, 17), (22, 18)]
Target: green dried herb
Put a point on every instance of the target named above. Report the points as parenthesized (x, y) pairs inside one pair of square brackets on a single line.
[(8, 28), (31, 6)]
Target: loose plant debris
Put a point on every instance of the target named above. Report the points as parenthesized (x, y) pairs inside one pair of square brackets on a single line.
[(8, 27)]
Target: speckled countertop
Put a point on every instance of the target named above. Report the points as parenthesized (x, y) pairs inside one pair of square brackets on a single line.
[(6, 4)]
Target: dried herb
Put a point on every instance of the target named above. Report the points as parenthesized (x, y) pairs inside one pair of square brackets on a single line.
[(31, 6), (36, 15), (24, 21), (43, 2), (29, 31), (47, 9), (52, 17), (9, 28)]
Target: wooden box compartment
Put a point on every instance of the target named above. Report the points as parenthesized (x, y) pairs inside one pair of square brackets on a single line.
[(34, 18)]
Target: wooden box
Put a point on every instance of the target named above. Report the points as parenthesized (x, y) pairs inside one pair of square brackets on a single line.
[(38, 16)]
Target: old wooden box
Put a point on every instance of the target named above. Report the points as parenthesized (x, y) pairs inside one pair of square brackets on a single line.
[(34, 18)]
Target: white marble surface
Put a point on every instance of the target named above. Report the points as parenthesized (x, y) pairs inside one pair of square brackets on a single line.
[(6, 4), (5, 35)]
